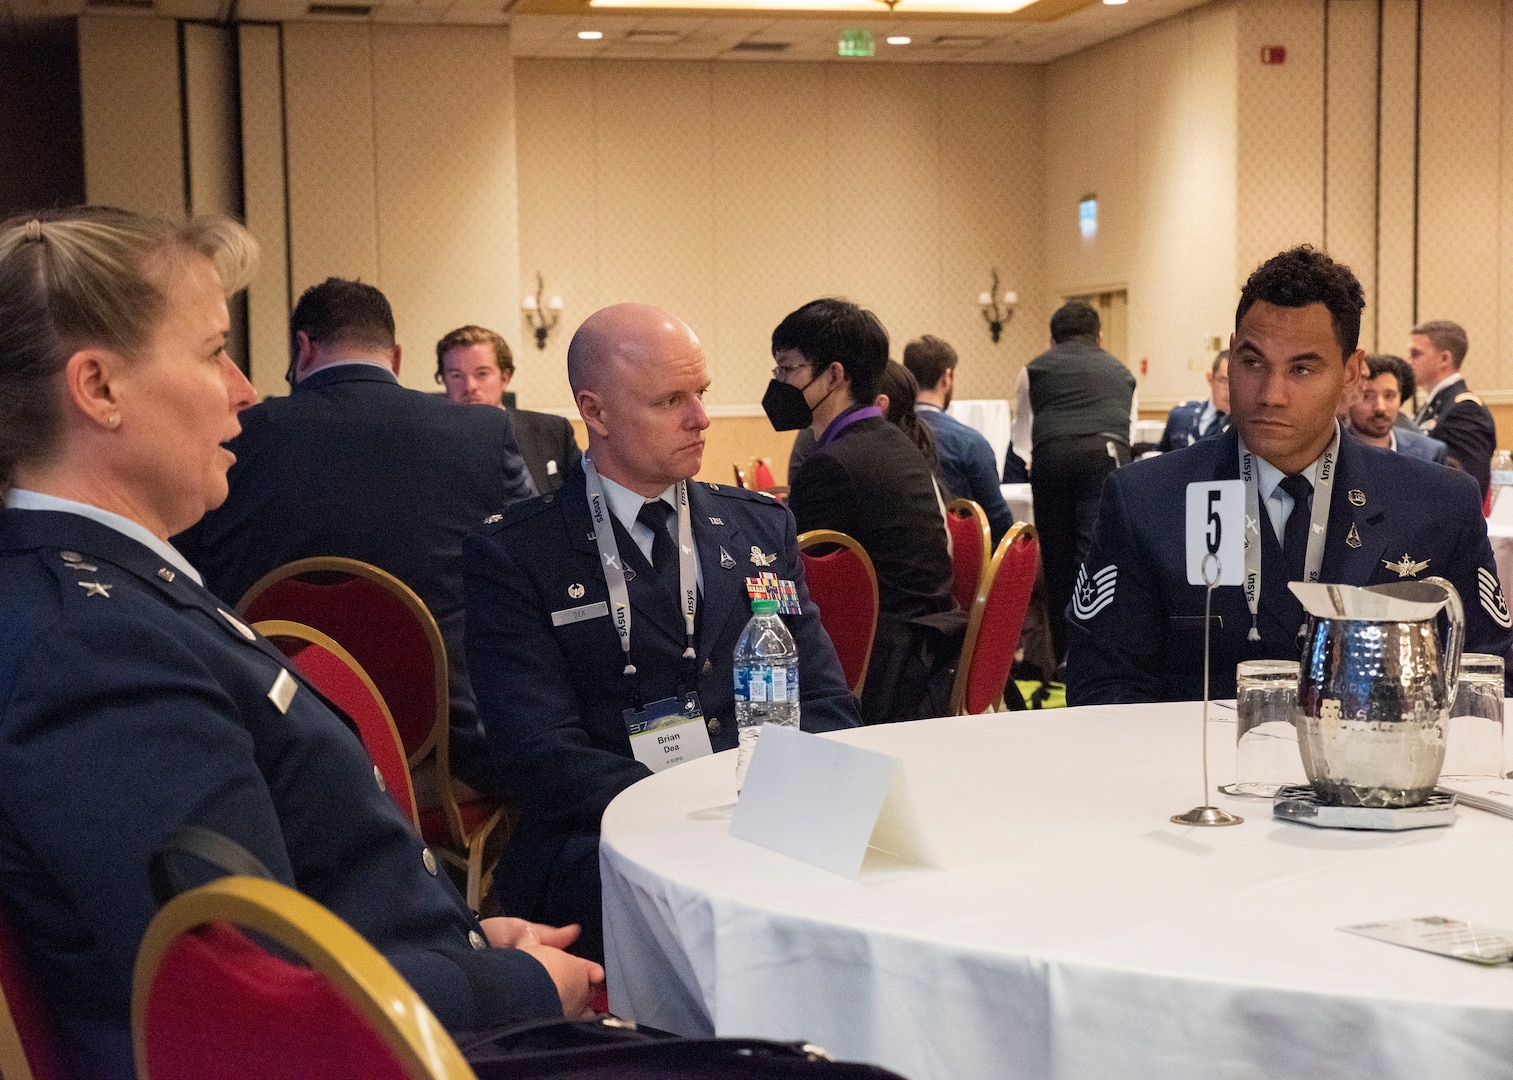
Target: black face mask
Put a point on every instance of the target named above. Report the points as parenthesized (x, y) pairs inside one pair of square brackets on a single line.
[(786, 406)]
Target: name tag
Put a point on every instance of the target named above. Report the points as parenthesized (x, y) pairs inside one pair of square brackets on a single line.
[(668, 732), (283, 691), (578, 614)]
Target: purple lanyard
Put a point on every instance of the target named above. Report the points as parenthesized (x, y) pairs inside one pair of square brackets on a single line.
[(845, 420)]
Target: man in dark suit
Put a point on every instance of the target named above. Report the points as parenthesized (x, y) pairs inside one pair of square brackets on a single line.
[(1454, 415), (867, 479), (550, 665), (1136, 625), (1194, 420), (353, 464), (475, 366), (1372, 416)]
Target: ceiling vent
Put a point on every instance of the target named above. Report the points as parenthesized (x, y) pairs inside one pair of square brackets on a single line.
[(653, 37), (760, 46), (357, 11)]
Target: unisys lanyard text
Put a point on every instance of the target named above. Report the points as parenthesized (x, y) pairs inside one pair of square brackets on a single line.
[(614, 571), (1318, 522)]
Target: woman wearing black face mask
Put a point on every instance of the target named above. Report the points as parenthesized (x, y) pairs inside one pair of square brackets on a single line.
[(866, 478)]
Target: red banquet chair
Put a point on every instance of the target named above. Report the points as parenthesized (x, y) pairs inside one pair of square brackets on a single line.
[(29, 1044), (209, 1003), (332, 670), (844, 585), (971, 549), (389, 632), (997, 616), (761, 475)]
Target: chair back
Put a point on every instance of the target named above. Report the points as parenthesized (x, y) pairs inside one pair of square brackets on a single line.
[(971, 549), (332, 670), (997, 617), (29, 1045), (740, 476), (844, 585), (761, 475), (382, 623), (209, 1003)]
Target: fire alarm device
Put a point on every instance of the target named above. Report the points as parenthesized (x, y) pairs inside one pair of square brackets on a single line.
[(1273, 54)]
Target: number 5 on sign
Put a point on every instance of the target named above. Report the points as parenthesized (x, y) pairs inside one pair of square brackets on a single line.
[(1215, 531)]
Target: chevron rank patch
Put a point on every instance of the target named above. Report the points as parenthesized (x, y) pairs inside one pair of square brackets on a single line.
[(1092, 594), (1492, 602)]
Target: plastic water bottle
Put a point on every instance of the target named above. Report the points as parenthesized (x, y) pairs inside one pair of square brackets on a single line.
[(766, 680), (1502, 475)]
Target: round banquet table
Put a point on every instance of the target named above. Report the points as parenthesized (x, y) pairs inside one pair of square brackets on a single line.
[(1071, 930)]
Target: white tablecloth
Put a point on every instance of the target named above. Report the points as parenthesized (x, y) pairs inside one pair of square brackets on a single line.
[(990, 416), (1502, 550), (1074, 931), (1021, 501)]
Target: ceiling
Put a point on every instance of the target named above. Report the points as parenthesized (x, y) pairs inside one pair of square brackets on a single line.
[(549, 28)]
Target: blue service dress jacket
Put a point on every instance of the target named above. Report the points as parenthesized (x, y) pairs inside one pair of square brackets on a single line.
[(1135, 626), (552, 696), (1184, 426), (132, 702)]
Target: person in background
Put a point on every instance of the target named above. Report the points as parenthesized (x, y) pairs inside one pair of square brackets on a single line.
[(475, 367), (1194, 420), (132, 701), (553, 688), (867, 479), (353, 464), (1453, 415), (967, 467), (1372, 416), (1326, 507), (1077, 408)]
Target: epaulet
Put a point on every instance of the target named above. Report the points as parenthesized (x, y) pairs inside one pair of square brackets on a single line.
[(1468, 396), (731, 492), (518, 512)]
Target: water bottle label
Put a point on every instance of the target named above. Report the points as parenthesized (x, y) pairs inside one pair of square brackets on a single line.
[(779, 676), (754, 682)]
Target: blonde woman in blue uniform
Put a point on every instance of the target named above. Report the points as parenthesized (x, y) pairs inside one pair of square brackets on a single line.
[(132, 701)]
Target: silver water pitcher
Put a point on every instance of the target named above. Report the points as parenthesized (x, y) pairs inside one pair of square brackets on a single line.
[(1374, 691)]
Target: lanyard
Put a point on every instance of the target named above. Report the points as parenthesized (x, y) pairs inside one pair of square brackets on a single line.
[(1318, 522), (614, 572)]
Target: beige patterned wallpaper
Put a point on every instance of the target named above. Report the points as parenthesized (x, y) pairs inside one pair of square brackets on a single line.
[(1147, 124), (262, 110), (133, 135), (733, 193)]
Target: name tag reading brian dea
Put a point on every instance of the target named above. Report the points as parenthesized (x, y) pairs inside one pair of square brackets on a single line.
[(577, 614)]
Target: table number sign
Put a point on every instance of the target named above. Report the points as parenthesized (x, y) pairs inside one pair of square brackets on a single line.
[(827, 803), (1215, 528)]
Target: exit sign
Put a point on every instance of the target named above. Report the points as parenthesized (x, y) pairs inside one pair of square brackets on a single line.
[(1273, 54), (856, 43)]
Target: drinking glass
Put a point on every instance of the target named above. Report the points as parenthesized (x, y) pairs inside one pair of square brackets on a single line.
[(1473, 743), (1266, 748)]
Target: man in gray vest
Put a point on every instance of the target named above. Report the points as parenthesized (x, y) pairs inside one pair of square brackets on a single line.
[(1075, 410)]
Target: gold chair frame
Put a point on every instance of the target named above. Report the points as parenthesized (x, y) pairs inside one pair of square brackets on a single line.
[(816, 537), (974, 509), (974, 620), (283, 628), (468, 849), (357, 970)]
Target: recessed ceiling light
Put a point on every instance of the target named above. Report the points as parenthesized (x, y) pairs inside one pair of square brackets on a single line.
[(1114, 3), (898, 40), (590, 35)]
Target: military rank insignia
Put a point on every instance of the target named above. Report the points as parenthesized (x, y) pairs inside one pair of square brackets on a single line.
[(768, 586)]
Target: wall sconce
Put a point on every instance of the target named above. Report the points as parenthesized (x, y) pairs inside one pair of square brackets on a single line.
[(541, 315), (997, 309)]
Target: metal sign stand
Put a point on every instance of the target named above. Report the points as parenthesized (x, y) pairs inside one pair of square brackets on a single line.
[(1205, 814)]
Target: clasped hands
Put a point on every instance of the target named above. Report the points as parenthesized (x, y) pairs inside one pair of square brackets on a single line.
[(575, 978)]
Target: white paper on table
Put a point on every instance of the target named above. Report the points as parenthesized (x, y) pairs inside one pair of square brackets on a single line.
[(1502, 509), (827, 803), (1493, 796)]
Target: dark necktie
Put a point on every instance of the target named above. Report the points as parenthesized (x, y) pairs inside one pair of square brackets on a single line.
[(1214, 426), (664, 553), (1295, 532)]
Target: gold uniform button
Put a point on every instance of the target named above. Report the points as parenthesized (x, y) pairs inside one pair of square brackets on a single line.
[(477, 940), (714, 724), (429, 859)]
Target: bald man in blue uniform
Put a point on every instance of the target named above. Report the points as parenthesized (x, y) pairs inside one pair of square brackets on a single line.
[(547, 659)]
